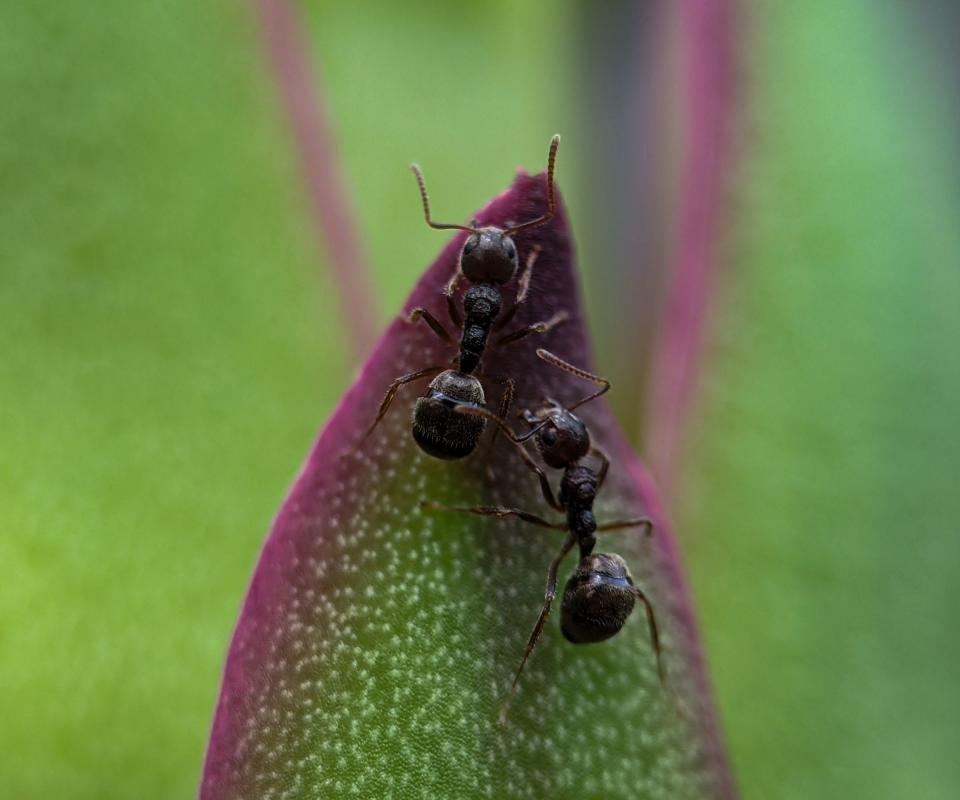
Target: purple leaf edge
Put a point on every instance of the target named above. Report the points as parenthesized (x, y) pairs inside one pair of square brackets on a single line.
[(555, 286)]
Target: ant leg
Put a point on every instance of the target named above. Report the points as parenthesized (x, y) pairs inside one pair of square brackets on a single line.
[(392, 392), (603, 383), (435, 325), (651, 618), (518, 441), (604, 460), (529, 417), (538, 628), (523, 287), (448, 292), (642, 522), (505, 401), (654, 633), (536, 327), (495, 511)]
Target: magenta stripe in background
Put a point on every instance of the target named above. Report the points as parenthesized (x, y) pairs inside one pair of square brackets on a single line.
[(706, 39), (302, 104)]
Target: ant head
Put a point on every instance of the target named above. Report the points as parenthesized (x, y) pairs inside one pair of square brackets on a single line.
[(561, 437), (597, 600), (488, 256)]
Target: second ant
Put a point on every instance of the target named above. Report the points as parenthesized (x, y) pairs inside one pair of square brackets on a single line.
[(600, 594)]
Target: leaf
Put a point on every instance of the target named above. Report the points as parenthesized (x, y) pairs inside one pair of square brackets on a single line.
[(377, 641), (824, 459)]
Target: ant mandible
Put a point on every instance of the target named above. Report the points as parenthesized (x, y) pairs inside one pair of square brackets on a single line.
[(488, 259), (600, 594)]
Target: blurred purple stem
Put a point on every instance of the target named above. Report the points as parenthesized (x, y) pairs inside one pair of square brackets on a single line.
[(302, 104), (706, 30)]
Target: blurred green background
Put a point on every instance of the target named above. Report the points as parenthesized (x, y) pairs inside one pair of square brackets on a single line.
[(172, 340)]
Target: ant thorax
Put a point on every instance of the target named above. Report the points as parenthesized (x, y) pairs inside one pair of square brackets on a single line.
[(578, 488), (481, 306)]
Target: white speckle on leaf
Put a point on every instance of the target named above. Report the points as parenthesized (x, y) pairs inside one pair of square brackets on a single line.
[(376, 664)]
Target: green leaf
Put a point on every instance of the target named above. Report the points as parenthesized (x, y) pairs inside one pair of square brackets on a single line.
[(377, 642), (820, 494)]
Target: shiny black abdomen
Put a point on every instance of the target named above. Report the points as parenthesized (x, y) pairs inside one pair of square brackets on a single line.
[(438, 428), (595, 604)]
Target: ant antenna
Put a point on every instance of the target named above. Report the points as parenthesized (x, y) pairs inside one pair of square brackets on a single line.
[(551, 201), (426, 206), (603, 383), (478, 411)]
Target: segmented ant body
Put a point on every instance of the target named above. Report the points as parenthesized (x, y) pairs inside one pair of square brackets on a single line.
[(600, 594), (488, 260)]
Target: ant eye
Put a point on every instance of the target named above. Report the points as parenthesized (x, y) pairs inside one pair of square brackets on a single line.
[(469, 245), (549, 436), (510, 249)]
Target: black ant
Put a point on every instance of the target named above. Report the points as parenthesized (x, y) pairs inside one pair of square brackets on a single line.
[(487, 260), (600, 594)]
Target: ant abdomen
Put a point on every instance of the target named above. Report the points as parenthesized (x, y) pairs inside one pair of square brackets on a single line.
[(597, 600), (437, 427)]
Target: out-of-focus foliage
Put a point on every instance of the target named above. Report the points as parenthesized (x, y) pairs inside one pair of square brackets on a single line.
[(820, 500), (167, 353), (469, 93), (170, 348)]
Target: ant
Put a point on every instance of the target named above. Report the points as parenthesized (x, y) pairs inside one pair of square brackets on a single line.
[(600, 594), (488, 260)]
